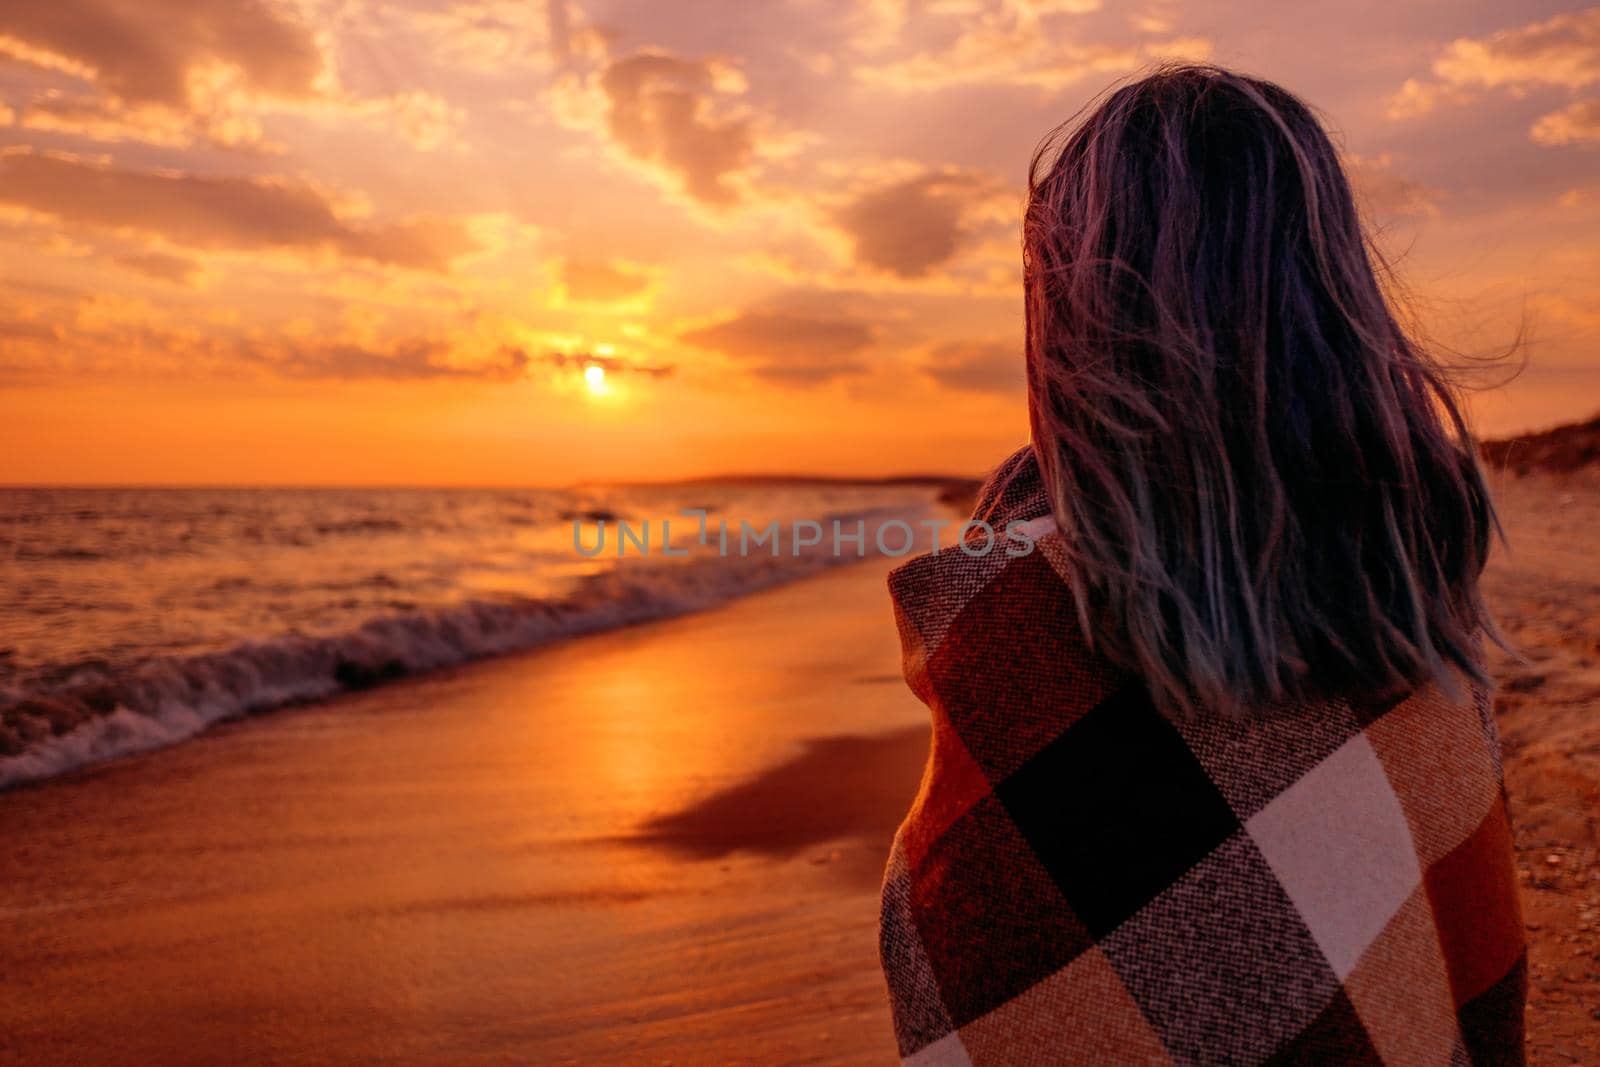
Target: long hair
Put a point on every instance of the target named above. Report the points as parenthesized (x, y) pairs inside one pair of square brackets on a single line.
[(1267, 490)]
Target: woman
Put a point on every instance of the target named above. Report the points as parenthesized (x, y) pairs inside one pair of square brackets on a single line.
[(1214, 776)]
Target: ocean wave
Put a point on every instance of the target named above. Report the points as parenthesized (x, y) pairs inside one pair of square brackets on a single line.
[(70, 716)]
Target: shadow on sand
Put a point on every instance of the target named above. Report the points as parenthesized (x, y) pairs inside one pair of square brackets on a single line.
[(847, 789)]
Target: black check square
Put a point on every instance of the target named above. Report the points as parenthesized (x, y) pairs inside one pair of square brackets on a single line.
[(1117, 808), (1493, 1020), (1369, 709)]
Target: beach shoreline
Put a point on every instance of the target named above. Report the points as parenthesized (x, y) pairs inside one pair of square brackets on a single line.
[(655, 844), (142, 618)]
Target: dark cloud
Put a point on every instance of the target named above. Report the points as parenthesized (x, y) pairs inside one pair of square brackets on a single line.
[(145, 51), (660, 109), (26, 330), (559, 30), (594, 281), (162, 267), (790, 346), (118, 348), (612, 364), (911, 226), (46, 290), (977, 366), (421, 359), (216, 212), (401, 361)]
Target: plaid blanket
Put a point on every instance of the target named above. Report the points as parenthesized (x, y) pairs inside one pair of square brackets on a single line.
[(1082, 880)]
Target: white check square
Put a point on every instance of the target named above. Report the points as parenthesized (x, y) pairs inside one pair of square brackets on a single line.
[(1338, 842)]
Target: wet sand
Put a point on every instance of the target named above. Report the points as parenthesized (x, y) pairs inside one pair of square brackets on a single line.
[(660, 845)]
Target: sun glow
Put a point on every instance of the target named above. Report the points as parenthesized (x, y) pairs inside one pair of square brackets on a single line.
[(594, 376)]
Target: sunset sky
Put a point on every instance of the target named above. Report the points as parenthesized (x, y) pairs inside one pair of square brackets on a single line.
[(351, 241)]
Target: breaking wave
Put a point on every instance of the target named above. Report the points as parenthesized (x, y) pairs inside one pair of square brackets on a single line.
[(77, 714)]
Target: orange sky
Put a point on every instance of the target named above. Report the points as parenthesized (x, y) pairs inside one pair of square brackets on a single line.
[(344, 241)]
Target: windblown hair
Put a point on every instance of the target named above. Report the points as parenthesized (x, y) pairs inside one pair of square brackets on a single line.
[(1267, 490)]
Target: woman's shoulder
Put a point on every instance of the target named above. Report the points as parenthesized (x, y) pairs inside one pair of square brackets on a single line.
[(1013, 491), (1010, 496), (1010, 532)]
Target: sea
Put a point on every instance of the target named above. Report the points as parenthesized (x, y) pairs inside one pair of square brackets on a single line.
[(136, 618)]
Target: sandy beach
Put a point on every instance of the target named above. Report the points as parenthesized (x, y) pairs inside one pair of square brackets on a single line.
[(656, 845), (1546, 594)]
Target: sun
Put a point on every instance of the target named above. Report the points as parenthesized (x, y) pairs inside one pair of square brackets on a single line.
[(594, 376)]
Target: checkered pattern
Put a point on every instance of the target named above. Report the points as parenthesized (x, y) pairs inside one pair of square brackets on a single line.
[(1082, 880)]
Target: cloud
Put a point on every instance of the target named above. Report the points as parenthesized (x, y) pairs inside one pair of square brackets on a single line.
[(162, 267), (217, 212), (787, 346), (424, 120), (1582, 314), (1578, 122), (879, 25), (497, 36), (601, 282), (421, 119), (147, 52), (1384, 192), (669, 112), (558, 30), (1560, 52), (399, 361), (19, 329), (54, 332), (1003, 42), (977, 366), (612, 363), (1416, 98), (101, 119), (912, 225), (1022, 10), (1564, 50), (176, 72)]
